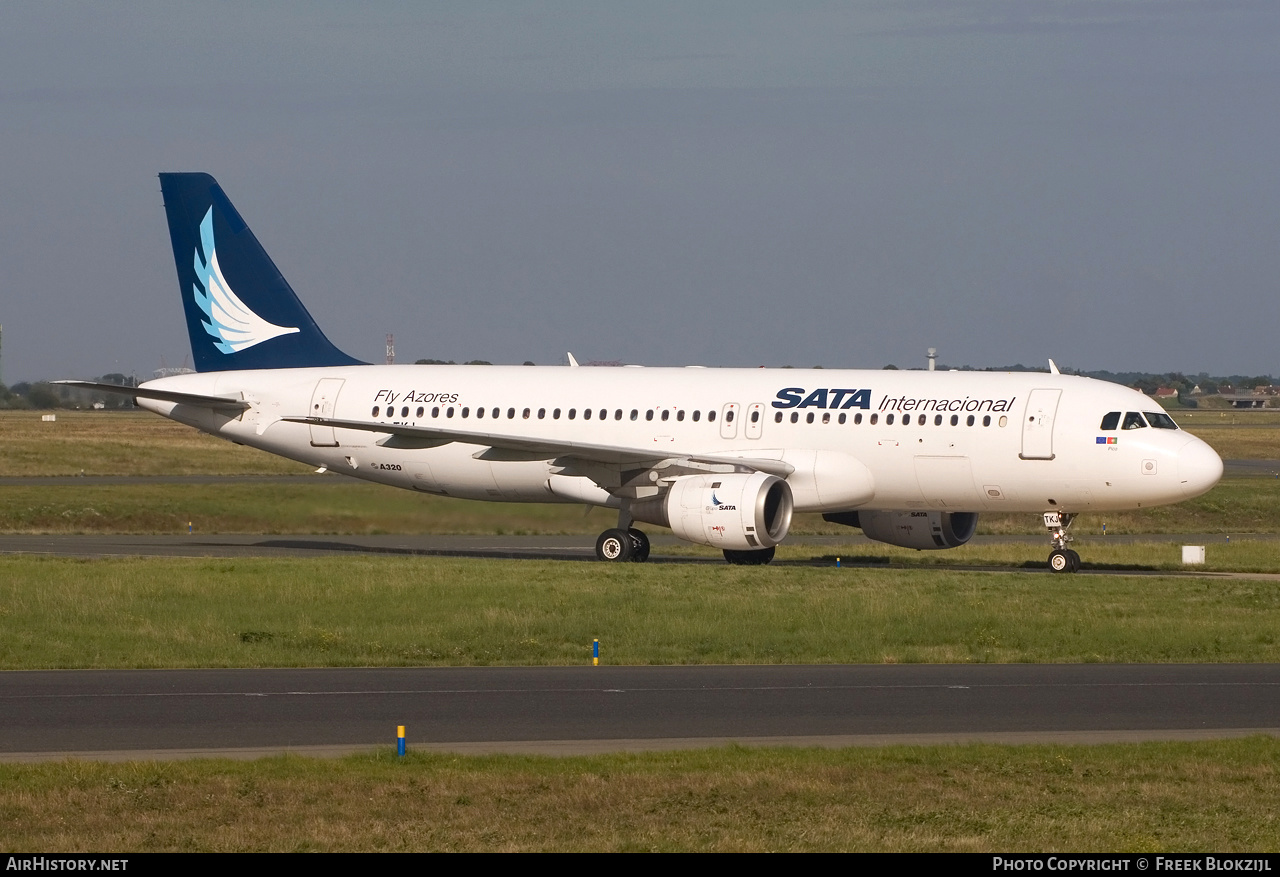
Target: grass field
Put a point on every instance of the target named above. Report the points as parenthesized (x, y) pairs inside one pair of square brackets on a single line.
[(335, 504), (1241, 442), (1157, 797), (316, 504), (123, 443), (402, 611), (1192, 419)]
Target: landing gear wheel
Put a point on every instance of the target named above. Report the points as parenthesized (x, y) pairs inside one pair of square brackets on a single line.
[(639, 545), (1060, 561), (1063, 559), (758, 557), (614, 546)]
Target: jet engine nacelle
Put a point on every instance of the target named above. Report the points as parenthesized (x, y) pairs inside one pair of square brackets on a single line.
[(740, 512), (919, 530)]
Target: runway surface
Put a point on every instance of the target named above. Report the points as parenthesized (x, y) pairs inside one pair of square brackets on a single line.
[(179, 713)]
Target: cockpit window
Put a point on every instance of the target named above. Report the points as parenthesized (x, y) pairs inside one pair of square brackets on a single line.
[(1133, 420), (1160, 420), (1110, 420)]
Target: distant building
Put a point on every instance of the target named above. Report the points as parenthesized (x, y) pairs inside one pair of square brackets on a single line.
[(1245, 400), (1166, 393)]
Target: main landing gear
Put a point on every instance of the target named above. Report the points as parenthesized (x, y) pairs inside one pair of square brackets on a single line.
[(618, 545), (623, 542), (1062, 558)]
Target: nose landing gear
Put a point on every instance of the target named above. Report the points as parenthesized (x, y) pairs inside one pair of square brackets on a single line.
[(1062, 558)]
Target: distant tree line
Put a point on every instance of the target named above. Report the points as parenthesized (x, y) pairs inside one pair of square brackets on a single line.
[(451, 362), (1149, 382)]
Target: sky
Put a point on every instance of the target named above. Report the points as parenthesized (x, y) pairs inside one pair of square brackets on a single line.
[(686, 183)]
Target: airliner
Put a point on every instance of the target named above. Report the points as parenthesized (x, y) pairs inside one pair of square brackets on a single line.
[(722, 456)]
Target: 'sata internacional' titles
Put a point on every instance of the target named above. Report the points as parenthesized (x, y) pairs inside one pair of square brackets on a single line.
[(723, 457), (1129, 863)]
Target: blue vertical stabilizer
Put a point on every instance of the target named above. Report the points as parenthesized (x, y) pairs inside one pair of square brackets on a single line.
[(241, 312)]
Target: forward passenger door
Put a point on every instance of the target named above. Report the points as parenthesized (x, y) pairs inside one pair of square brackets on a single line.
[(1037, 424), (729, 421)]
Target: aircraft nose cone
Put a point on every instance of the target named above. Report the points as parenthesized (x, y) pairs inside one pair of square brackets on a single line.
[(1199, 468)]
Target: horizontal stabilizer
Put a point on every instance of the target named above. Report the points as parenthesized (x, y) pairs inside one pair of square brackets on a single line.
[(200, 401)]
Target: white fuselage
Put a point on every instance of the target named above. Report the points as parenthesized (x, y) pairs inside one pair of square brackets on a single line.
[(1035, 442)]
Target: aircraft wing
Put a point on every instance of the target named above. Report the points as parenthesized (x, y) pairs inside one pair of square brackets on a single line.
[(197, 399), (523, 447)]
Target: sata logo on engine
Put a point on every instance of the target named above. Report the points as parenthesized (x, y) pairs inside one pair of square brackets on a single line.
[(716, 505)]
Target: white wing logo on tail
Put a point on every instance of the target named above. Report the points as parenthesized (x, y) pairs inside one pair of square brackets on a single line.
[(231, 325)]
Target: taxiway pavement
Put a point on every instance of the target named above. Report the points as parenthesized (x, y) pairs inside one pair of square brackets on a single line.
[(490, 546)]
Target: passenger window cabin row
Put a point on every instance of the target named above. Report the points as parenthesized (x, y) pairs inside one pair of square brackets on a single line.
[(920, 419), (587, 413), (466, 412)]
